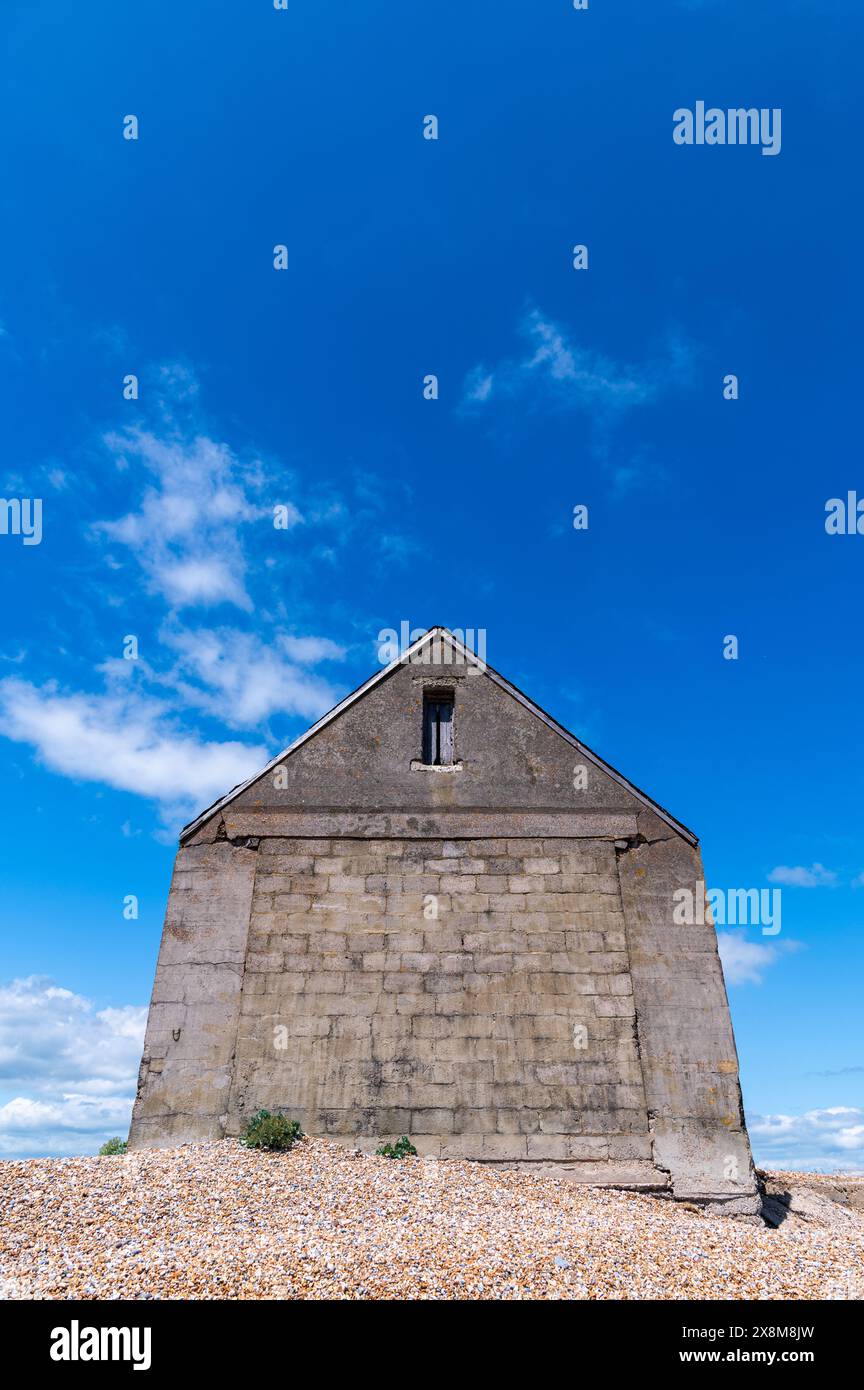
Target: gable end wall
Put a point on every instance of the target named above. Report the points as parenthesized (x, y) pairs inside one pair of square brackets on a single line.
[(552, 1013)]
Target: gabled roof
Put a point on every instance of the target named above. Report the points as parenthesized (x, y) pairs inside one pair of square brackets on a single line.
[(468, 656)]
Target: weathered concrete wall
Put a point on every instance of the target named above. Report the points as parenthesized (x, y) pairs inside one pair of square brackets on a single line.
[(552, 1012), (184, 1081), (363, 761), (689, 1061), (500, 1029)]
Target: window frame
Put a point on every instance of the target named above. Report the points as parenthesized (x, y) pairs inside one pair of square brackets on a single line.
[(435, 747)]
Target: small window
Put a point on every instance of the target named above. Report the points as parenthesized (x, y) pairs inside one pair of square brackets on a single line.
[(438, 729)]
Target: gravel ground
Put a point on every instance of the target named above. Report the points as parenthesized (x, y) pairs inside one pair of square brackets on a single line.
[(217, 1221)]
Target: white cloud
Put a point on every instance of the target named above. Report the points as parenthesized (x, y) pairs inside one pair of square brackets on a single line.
[(243, 681), (67, 1071), (186, 532), (176, 384), (744, 962), (310, 650), (202, 581), (132, 741), (479, 385), (575, 377), (830, 1140), (817, 876), (123, 740), (187, 529)]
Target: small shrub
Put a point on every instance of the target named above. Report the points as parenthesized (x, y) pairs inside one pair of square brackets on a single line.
[(266, 1131), (403, 1148), (113, 1146)]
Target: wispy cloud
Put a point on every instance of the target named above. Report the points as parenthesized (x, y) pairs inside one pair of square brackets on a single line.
[(195, 517), (185, 532), (830, 1140), (817, 876), (132, 735), (558, 371), (125, 741), (67, 1070), (636, 470), (243, 680), (745, 962)]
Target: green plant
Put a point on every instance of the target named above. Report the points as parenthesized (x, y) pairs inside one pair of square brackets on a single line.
[(113, 1146), (403, 1148), (266, 1131)]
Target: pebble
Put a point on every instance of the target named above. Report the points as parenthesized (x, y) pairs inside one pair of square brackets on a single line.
[(216, 1221)]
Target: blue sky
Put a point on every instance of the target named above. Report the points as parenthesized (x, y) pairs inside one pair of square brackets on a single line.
[(303, 388)]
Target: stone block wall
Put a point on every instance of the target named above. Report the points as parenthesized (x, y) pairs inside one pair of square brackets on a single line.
[(187, 1066), (475, 994), (483, 956)]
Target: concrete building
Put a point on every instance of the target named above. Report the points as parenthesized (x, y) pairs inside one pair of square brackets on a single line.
[(440, 914)]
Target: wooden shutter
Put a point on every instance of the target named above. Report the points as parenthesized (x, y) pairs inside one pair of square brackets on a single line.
[(445, 731), (437, 730), (429, 731)]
